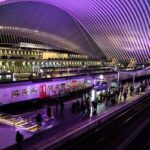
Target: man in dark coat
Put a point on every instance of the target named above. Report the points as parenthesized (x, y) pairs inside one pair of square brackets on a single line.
[(39, 120), (19, 140), (49, 112)]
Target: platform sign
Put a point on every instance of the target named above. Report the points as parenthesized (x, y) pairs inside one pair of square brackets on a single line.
[(42, 91)]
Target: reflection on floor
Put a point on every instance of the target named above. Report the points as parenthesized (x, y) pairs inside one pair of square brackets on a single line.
[(26, 121), (60, 125)]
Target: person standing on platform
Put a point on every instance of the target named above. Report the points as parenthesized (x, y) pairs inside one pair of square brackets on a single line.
[(57, 101), (78, 105), (131, 90), (106, 99), (116, 92), (49, 112), (61, 108), (39, 120), (19, 140), (125, 95), (82, 106), (94, 103), (88, 106)]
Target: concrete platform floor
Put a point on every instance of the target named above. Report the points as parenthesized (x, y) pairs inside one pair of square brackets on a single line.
[(59, 126)]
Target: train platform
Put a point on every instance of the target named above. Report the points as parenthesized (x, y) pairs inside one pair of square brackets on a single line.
[(62, 126)]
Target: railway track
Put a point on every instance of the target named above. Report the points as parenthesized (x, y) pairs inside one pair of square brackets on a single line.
[(110, 135), (141, 141)]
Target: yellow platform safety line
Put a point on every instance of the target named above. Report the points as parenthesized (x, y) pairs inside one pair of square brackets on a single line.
[(21, 124), (12, 122), (49, 118), (6, 122), (33, 129), (29, 128)]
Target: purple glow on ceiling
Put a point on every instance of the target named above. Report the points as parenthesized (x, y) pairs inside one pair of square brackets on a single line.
[(121, 29)]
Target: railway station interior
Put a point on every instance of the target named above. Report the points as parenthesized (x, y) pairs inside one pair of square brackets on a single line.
[(74, 74)]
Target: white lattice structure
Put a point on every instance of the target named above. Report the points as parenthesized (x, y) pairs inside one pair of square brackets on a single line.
[(116, 28)]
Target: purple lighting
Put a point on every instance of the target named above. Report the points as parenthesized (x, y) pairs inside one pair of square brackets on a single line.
[(119, 28)]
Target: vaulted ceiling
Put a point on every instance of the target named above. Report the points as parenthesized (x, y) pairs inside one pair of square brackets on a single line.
[(112, 28)]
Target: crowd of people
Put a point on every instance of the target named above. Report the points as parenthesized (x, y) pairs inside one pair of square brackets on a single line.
[(111, 96), (84, 105)]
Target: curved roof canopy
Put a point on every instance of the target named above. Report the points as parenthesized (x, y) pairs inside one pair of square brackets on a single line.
[(112, 28)]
